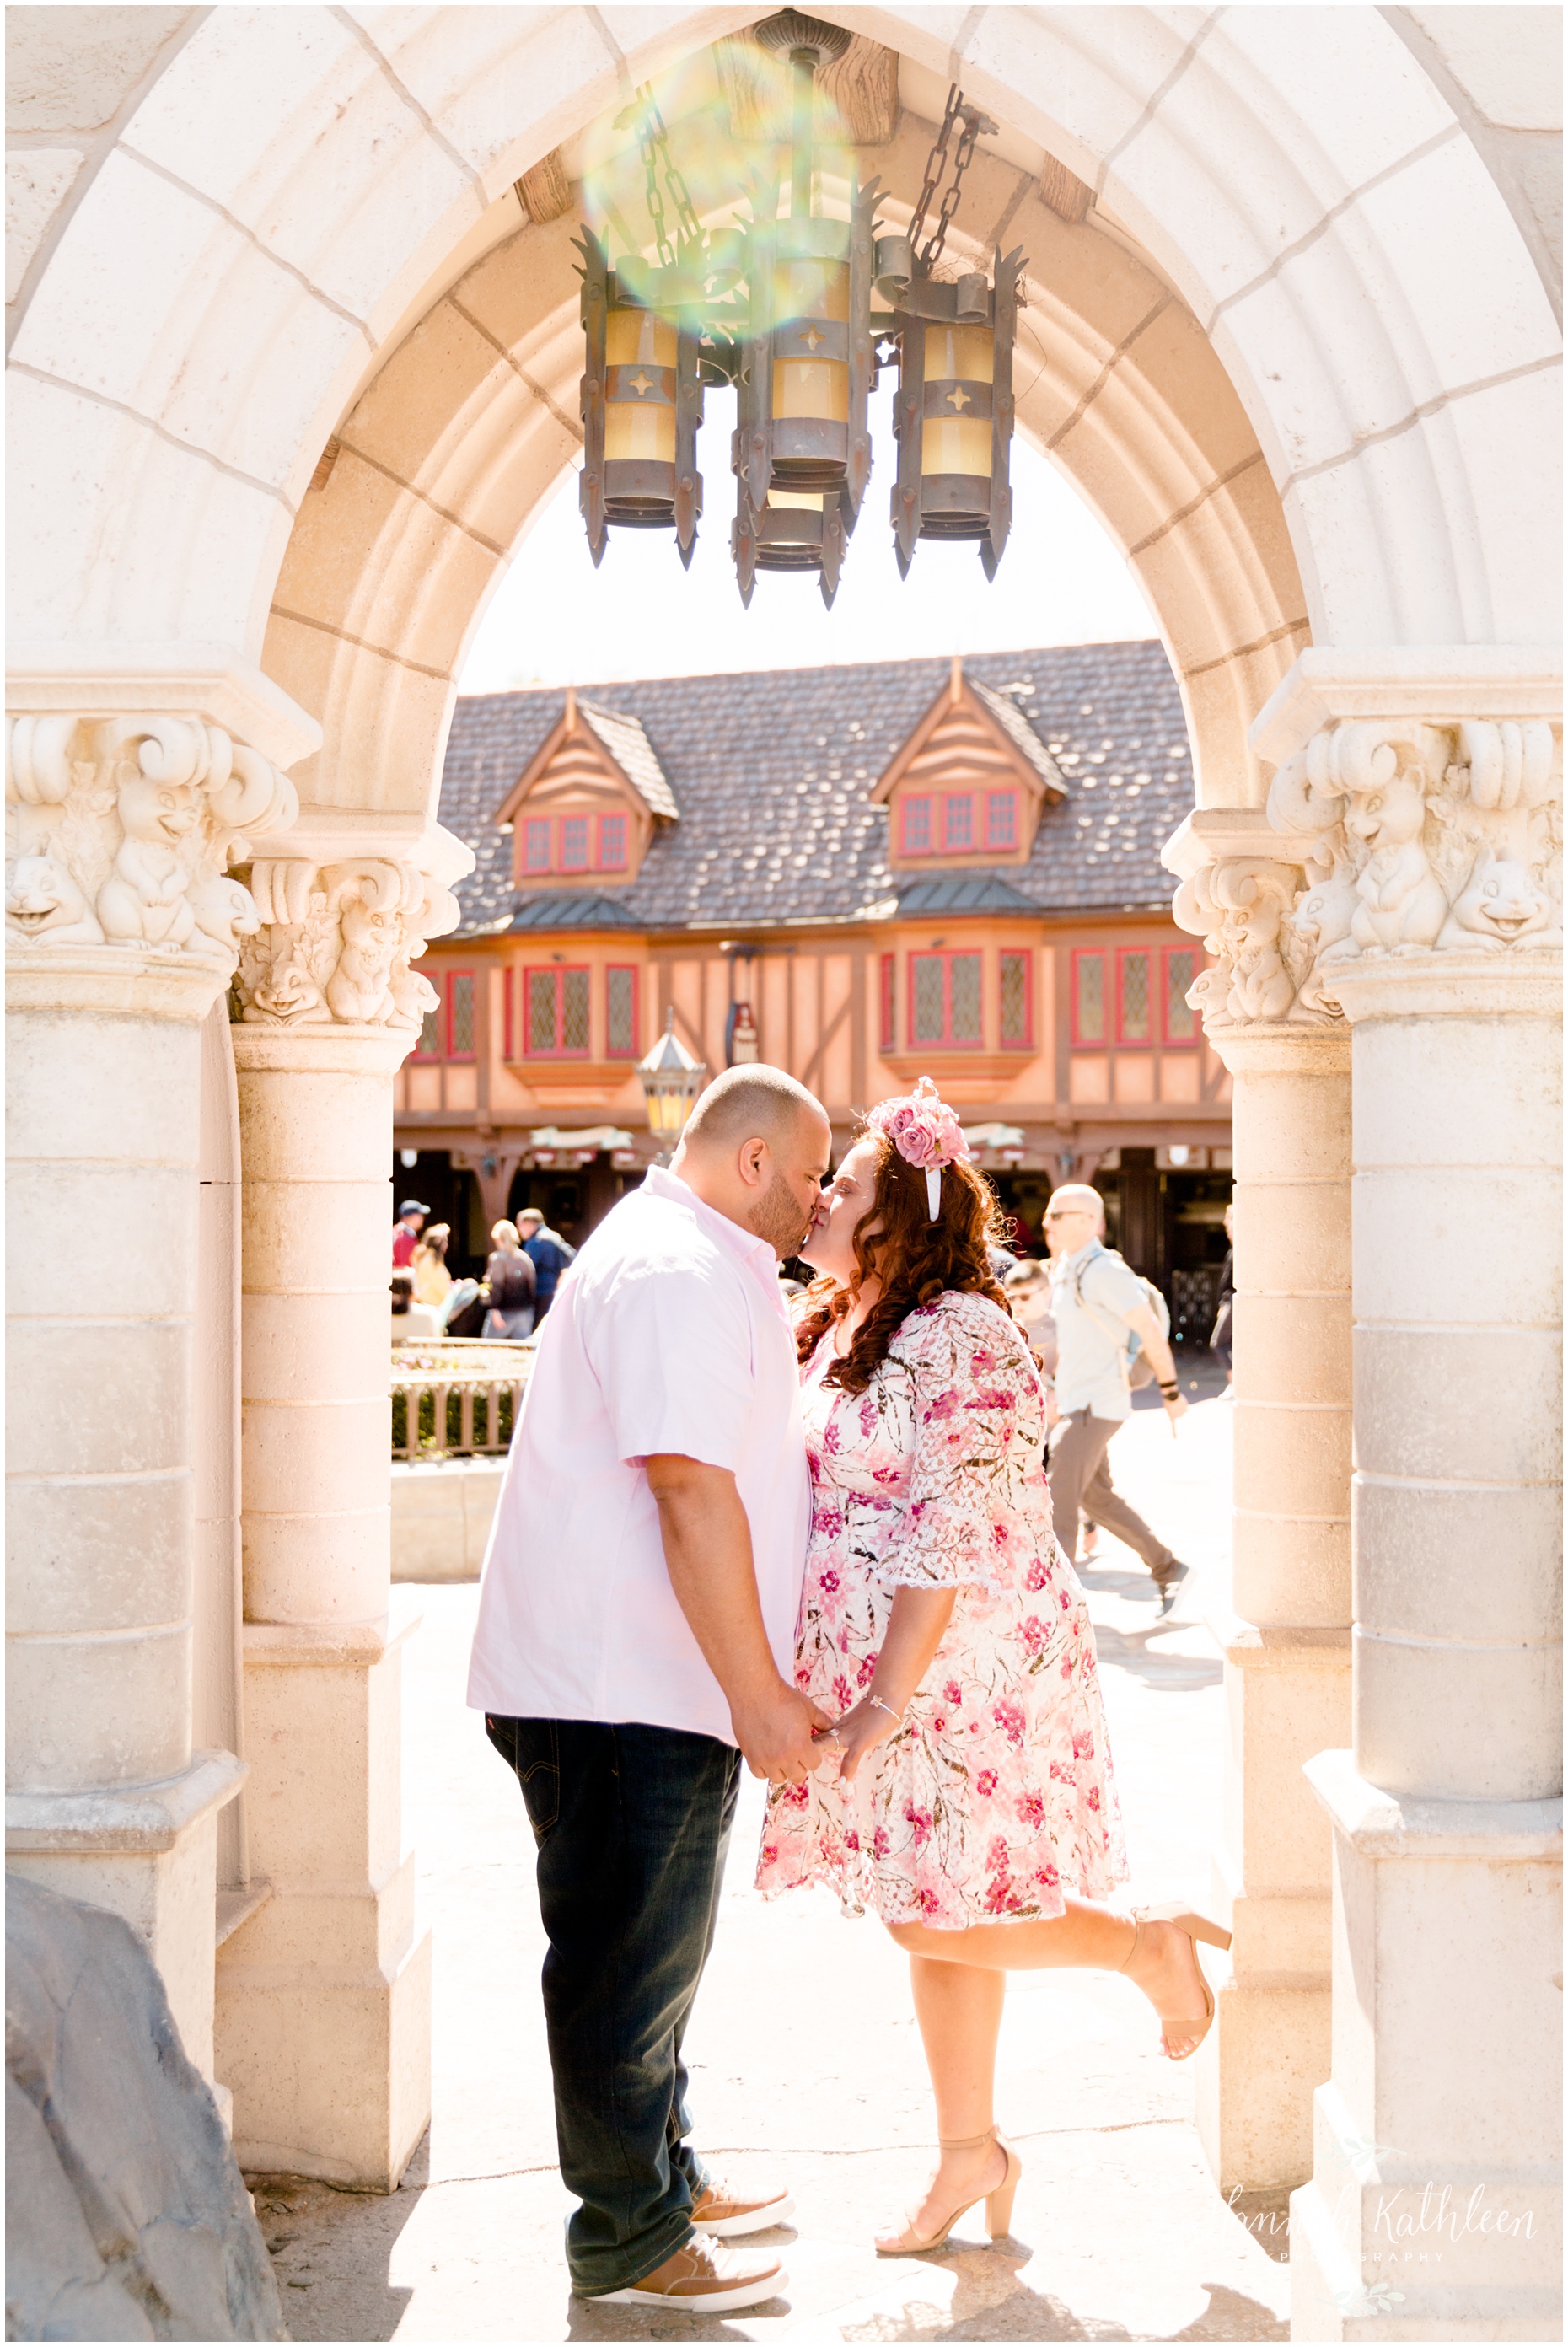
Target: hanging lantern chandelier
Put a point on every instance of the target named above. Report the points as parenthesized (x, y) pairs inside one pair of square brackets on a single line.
[(783, 309)]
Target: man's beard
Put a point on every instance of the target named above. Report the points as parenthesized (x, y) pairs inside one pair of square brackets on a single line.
[(777, 1217)]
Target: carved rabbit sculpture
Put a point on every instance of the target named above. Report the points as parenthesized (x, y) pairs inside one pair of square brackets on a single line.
[(44, 905), (144, 898)]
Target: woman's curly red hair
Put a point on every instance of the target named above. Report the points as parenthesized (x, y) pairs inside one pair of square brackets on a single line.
[(916, 1259)]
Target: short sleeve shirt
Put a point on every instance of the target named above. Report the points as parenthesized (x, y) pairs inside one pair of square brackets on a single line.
[(668, 1334), (1092, 1343)]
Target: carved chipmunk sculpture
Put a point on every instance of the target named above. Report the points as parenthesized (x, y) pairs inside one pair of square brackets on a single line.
[(144, 896)]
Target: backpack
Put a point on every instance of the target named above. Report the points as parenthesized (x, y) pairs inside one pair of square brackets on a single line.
[(1137, 1370)]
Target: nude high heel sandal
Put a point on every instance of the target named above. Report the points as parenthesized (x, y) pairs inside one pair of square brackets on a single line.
[(1196, 1927), (999, 2201)]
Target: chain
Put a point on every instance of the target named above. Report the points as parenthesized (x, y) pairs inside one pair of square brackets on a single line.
[(974, 122), (653, 140)]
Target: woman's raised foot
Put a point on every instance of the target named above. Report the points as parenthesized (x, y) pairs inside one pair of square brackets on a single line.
[(1164, 1962)]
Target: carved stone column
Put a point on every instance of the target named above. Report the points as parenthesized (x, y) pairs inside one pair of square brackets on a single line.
[(1286, 1640), (324, 2027), (121, 927), (1438, 933)]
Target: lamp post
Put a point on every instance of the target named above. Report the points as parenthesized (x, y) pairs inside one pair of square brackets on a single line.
[(671, 1080)]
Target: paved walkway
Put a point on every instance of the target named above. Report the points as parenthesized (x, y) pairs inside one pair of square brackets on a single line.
[(805, 2056)]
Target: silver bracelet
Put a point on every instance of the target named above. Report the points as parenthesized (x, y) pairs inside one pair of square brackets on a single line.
[(888, 1707)]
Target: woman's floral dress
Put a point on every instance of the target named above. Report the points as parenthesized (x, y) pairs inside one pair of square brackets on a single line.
[(997, 1793)]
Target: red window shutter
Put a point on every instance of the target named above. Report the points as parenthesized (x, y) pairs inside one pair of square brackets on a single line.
[(885, 999)]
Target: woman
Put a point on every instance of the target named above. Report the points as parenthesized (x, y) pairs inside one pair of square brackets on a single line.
[(432, 1280), (511, 1277), (973, 1806)]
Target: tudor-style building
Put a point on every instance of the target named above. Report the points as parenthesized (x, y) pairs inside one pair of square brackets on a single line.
[(865, 874)]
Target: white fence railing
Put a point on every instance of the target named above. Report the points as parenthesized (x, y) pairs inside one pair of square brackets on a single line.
[(456, 1396)]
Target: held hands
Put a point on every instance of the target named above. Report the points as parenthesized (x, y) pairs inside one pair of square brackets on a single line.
[(860, 1731), (775, 1731)]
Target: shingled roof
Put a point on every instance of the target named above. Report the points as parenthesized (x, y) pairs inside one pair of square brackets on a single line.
[(770, 770)]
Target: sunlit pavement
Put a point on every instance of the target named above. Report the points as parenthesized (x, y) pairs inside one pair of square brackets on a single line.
[(805, 2061)]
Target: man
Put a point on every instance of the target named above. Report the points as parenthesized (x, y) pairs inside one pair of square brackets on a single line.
[(549, 1255), (406, 1233), (1098, 1305), (636, 1626)]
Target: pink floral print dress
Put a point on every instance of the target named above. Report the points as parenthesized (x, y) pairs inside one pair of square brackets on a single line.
[(997, 1793)]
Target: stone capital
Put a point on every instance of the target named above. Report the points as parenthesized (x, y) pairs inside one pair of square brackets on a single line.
[(1280, 1047), (342, 919), (1430, 684), (122, 827), (1476, 985), (335, 1050)]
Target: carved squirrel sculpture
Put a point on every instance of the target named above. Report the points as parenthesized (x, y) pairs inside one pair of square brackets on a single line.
[(359, 988), (1499, 905)]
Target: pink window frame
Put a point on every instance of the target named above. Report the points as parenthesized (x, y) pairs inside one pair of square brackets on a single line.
[(1090, 1042), (1177, 1042), (1025, 1042), (600, 863), (527, 871), (437, 979), (1135, 1043), (636, 977), (1003, 846), (912, 798), (558, 971), (887, 1003), (948, 1043), (452, 1056), (952, 799)]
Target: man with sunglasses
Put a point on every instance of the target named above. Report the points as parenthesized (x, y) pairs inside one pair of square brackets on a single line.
[(1098, 1305)]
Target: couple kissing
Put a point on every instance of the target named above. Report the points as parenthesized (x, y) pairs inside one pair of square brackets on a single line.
[(824, 1549)]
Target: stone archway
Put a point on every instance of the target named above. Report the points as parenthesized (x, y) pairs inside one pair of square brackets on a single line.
[(256, 283)]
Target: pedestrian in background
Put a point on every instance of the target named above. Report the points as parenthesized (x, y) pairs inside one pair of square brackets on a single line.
[(548, 1252), (432, 1280), (406, 1233), (1220, 1341), (1100, 1306), (410, 1322), (511, 1277)]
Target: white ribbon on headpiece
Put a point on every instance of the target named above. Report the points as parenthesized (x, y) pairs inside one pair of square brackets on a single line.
[(933, 1193)]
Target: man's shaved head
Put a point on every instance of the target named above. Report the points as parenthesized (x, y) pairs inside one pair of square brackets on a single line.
[(756, 1103), (1078, 1198)]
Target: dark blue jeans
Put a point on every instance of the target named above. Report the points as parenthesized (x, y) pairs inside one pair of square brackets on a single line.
[(631, 1824)]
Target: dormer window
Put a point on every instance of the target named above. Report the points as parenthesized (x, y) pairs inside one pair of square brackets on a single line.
[(590, 802), (969, 784)]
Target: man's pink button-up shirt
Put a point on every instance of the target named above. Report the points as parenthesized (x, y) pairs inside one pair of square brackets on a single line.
[(668, 1333)]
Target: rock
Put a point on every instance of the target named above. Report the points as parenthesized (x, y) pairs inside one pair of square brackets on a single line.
[(125, 2216)]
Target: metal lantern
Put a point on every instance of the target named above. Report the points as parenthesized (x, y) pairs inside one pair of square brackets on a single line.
[(642, 400), (954, 410), (671, 1080), (780, 308)]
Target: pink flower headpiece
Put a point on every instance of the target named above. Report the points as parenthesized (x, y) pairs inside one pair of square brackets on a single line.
[(927, 1134)]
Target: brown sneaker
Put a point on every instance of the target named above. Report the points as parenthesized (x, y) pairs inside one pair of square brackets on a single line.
[(723, 2211), (705, 2277)]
